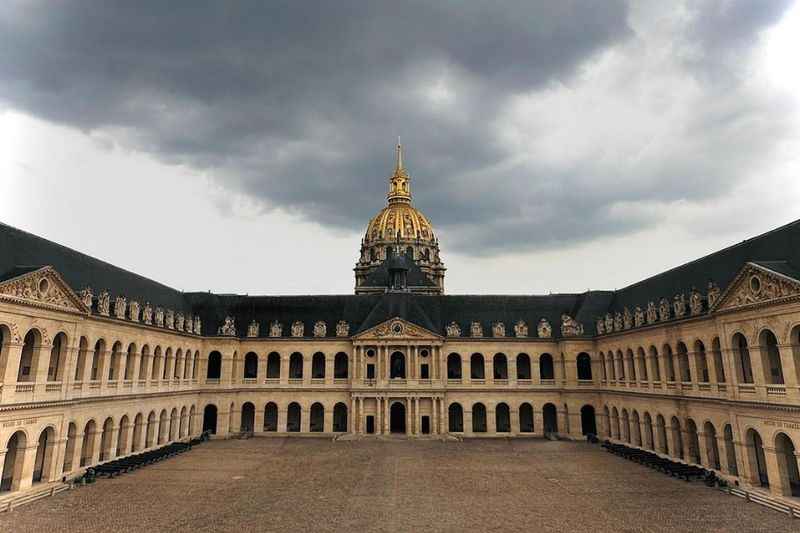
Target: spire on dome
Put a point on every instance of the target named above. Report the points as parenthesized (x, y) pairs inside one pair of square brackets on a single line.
[(399, 186)]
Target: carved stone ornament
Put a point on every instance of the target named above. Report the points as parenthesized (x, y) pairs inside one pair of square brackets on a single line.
[(86, 296), (601, 326), (320, 328), (342, 329), (253, 329), (695, 302), (570, 327), (42, 288), (169, 319), (16, 337), (652, 312), (104, 303), (198, 326), (187, 326), (275, 329), (498, 329), (679, 305), (521, 329), (133, 311), (120, 302), (453, 330), (663, 310), (298, 328), (627, 319), (609, 323), (228, 327), (147, 314), (713, 294), (543, 329), (756, 285), (618, 322), (476, 329), (179, 321), (638, 317), (396, 328), (159, 317)]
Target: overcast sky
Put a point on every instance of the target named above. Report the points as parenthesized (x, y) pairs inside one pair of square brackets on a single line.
[(555, 146)]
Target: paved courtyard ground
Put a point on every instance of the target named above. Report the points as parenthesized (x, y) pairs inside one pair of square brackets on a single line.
[(298, 484)]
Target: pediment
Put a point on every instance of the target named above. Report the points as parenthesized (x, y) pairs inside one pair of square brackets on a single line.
[(396, 328), (43, 287), (757, 285)]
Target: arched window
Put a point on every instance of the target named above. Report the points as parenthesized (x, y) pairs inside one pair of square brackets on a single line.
[(523, 366), (526, 418), (669, 363), (620, 366), (694, 441), (317, 420), (455, 418), (209, 419), (250, 366), (675, 427), (13, 462), (758, 461), (340, 370), (182, 426), (248, 420), (588, 420), (44, 455), (143, 362), (550, 418), (500, 366), (612, 368), (318, 366), (615, 429), (57, 358), (105, 439), (83, 355), (271, 417), (340, 418), (157, 362), (87, 446), (770, 358), (296, 366), (397, 365), (26, 370), (122, 436), (683, 363), (631, 365), (476, 367), (719, 365), (787, 464), (178, 368), (654, 363), (69, 451), (642, 361), (603, 370), (214, 365), (730, 451), (741, 354), (584, 365), (274, 365), (293, 417), (661, 430), (479, 418), (649, 440), (701, 362), (636, 429), (712, 449), (625, 424), (546, 370), (454, 366), (502, 418)]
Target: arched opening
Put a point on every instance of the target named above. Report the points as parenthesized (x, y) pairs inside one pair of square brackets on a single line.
[(296, 366), (293, 417), (476, 367), (730, 451), (758, 461), (526, 418), (455, 418), (654, 364), (155, 371), (588, 420), (787, 464), (701, 361), (57, 358), (683, 363), (12, 464), (550, 418), (210, 419), (317, 418), (168, 363), (636, 429), (80, 363), (741, 355), (138, 422), (603, 370), (191, 415), (143, 362), (250, 366), (661, 429), (340, 366), (584, 366), (642, 363), (182, 426), (271, 417), (248, 418), (479, 418), (274, 365), (615, 429), (69, 449), (712, 449), (87, 445), (150, 434), (677, 438), (340, 418), (115, 362), (26, 362), (129, 358), (607, 422), (612, 368), (620, 366), (105, 438), (719, 365), (523, 366), (44, 455), (770, 358), (694, 441), (669, 363), (649, 440), (631, 365), (546, 370), (397, 417), (214, 365), (454, 366), (122, 436), (173, 425), (500, 366), (163, 427), (502, 418), (626, 427), (318, 366), (397, 366)]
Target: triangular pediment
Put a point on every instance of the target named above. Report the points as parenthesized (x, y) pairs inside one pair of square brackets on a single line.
[(396, 328), (757, 285), (42, 287)]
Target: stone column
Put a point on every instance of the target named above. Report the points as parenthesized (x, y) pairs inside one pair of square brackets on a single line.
[(409, 420), (28, 463), (356, 371), (307, 360), (687, 447), (261, 370), (11, 370), (514, 420), (703, 450), (329, 360), (284, 377), (491, 420), (778, 480), (386, 420), (258, 420), (468, 421), (435, 416), (327, 421), (512, 369), (282, 419)]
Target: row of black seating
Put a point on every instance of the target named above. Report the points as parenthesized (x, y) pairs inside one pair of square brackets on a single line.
[(662, 464), (132, 462)]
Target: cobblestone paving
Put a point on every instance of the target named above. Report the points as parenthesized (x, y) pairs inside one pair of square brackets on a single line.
[(297, 484)]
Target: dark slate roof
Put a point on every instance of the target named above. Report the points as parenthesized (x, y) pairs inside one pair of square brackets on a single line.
[(414, 278), (21, 252), (779, 248)]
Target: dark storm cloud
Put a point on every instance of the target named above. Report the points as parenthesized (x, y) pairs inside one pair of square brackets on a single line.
[(297, 104)]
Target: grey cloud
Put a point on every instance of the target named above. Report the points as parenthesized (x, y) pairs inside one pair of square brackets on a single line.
[(296, 104)]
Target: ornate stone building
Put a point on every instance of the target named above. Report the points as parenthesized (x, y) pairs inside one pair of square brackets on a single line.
[(700, 363)]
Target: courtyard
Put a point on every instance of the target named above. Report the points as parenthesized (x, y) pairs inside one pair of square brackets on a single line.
[(305, 484)]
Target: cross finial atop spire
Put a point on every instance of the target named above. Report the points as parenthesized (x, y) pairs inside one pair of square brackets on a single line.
[(399, 155), (399, 189)]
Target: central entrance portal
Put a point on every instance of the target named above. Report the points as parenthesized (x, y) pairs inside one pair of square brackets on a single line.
[(397, 418)]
